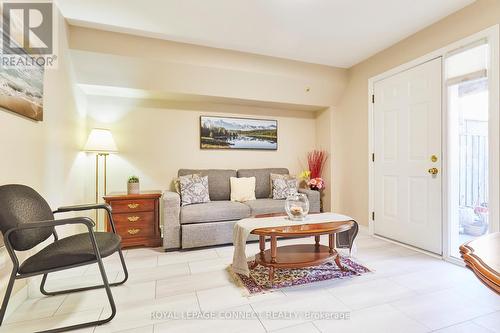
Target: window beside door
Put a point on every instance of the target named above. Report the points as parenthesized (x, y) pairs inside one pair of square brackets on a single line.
[(468, 109)]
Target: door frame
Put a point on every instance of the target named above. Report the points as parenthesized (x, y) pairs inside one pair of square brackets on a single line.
[(492, 35)]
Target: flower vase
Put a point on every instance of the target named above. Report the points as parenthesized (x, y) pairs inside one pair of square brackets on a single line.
[(297, 206), (321, 194)]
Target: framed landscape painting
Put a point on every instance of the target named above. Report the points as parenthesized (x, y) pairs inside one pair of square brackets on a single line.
[(238, 133), (21, 89)]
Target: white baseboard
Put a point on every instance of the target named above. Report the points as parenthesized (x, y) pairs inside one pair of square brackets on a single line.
[(437, 256), (364, 228)]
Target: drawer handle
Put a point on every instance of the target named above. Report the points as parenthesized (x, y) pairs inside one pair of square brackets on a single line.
[(133, 218), (133, 205), (133, 231)]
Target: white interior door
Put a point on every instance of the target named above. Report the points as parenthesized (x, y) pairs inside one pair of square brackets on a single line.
[(407, 144)]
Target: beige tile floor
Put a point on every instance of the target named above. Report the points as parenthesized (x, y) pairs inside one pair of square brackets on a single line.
[(407, 292)]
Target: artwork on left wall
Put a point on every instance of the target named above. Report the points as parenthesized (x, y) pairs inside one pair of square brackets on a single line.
[(21, 90), (238, 133)]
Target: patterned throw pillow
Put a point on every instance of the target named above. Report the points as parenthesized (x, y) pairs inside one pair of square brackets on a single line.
[(194, 189), (283, 188), (274, 176), (177, 183)]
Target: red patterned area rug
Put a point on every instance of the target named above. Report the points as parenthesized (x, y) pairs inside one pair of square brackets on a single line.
[(258, 281)]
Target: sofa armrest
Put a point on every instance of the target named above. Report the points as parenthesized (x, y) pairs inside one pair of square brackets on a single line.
[(314, 199), (171, 220)]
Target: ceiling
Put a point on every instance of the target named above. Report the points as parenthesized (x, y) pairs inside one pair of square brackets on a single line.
[(338, 33)]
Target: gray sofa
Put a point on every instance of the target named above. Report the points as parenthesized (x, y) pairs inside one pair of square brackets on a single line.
[(212, 223)]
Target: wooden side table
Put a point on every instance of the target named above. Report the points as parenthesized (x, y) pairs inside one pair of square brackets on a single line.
[(137, 218)]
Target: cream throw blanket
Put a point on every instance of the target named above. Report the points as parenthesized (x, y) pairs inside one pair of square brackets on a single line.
[(243, 228)]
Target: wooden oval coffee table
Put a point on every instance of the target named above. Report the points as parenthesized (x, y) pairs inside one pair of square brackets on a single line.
[(301, 255), (482, 256)]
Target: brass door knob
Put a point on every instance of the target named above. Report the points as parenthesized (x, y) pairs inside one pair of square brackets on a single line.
[(433, 171)]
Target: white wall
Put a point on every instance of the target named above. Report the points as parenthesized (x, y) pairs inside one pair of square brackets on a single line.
[(324, 128), (154, 142), (151, 92), (119, 60), (45, 155)]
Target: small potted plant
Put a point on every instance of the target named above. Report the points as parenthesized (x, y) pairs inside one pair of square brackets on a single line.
[(133, 185)]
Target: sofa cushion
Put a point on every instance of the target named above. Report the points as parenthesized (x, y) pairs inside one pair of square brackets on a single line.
[(282, 188), (214, 211), (242, 189), (219, 187), (208, 234), (194, 189), (274, 176), (262, 179), (266, 206)]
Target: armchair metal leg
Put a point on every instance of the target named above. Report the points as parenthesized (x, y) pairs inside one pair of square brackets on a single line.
[(125, 271), (59, 292), (106, 285), (8, 291)]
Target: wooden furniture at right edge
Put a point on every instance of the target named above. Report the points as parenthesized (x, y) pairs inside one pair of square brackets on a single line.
[(297, 256), (482, 256)]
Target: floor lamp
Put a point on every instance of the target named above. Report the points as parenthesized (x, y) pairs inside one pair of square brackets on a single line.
[(100, 142)]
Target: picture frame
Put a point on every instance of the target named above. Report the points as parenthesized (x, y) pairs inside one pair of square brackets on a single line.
[(235, 133), (21, 89)]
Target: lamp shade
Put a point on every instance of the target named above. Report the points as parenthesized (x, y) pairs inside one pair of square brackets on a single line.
[(100, 141)]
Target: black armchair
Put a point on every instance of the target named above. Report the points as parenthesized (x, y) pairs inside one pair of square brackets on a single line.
[(26, 220)]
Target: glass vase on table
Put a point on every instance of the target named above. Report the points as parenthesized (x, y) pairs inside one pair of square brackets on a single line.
[(297, 206)]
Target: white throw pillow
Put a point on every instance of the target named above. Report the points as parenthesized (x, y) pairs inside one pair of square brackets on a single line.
[(242, 189)]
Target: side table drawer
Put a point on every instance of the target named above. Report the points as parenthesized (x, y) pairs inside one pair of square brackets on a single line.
[(128, 206), (132, 231), (134, 218), (139, 224)]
